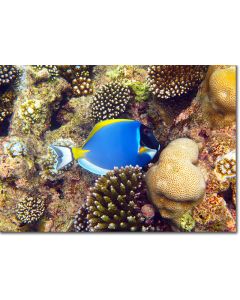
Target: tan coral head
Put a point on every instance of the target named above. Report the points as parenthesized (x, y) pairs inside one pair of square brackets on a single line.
[(176, 184), (222, 90)]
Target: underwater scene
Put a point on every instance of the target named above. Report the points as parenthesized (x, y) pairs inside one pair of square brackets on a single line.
[(118, 148)]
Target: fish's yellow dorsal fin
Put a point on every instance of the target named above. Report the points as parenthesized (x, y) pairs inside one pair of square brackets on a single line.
[(79, 153), (101, 124)]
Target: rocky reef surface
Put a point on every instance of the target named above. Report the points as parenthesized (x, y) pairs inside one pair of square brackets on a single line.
[(191, 187)]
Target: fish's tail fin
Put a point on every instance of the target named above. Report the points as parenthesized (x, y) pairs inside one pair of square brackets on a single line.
[(79, 153)]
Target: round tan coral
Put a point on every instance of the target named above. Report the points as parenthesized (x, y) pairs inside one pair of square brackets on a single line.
[(222, 90), (176, 184)]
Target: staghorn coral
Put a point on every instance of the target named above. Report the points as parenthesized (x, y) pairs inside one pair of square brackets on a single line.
[(30, 209), (110, 101), (8, 75), (171, 81), (213, 215), (114, 203), (222, 90), (176, 184)]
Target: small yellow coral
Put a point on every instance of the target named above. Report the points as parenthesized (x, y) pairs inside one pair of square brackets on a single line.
[(175, 183), (222, 90)]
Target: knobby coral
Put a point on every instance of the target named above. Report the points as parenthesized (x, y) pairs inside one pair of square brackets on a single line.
[(110, 101), (176, 184), (8, 75), (52, 69), (78, 77), (171, 81), (114, 203), (30, 209)]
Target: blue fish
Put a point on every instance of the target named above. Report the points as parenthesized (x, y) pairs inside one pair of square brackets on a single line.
[(111, 143)]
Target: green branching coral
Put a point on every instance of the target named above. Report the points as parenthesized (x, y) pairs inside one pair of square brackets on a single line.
[(8, 75), (114, 203), (110, 101), (30, 209), (31, 112), (140, 90), (169, 81), (52, 69), (78, 77)]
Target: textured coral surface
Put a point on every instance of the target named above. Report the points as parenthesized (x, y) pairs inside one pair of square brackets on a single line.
[(189, 187)]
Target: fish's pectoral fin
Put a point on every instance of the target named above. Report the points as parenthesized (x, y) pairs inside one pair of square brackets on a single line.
[(79, 153), (142, 150)]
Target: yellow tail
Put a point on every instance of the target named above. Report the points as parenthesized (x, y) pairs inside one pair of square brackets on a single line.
[(79, 153)]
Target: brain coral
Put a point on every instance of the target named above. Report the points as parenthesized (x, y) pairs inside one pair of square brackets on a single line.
[(171, 81), (222, 89), (175, 184), (110, 101)]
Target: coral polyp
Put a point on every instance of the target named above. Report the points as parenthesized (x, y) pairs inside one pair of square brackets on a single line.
[(171, 81)]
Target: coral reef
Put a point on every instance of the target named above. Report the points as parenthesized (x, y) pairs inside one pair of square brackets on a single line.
[(176, 184), (110, 101), (171, 81), (114, 203), (192, 187)]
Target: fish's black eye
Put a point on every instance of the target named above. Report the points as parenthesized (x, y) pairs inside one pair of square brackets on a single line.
[(147, 138)]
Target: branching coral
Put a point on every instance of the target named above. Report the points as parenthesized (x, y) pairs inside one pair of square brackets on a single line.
[(30, 209), (114, 203), (176, 184), (222, 89), (171, 81), (212, 215), (6, 104), (110, 101)]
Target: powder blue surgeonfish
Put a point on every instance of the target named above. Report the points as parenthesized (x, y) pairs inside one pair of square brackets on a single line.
[(111, 143)]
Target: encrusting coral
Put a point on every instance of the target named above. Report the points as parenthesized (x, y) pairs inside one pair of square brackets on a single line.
[(225, 166), (110, 101), (176, 184), (30, 209), (222, 89), (212, 215), (168, 81), (114, 203)]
